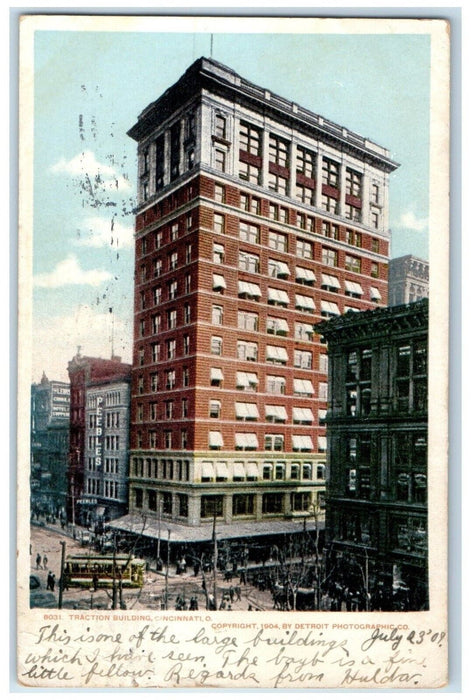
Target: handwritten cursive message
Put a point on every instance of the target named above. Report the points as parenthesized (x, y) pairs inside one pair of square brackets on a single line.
[(83, 650)]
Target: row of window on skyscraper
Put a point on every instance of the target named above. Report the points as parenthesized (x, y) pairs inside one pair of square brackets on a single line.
[(221, 470), (176, 504), (249, 261), (252, 204), (172, 409), (280, 157)]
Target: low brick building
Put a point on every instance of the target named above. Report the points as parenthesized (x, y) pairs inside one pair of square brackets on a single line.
[(86, 372)]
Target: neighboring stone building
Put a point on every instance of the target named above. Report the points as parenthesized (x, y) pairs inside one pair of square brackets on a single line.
[(255, 219), (105, 491), (408, 280), (85, 372), (50, 403), (376, 513)]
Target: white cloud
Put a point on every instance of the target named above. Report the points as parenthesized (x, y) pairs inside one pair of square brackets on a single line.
[(98, 232), (92, 174), (410, 221), (55, 342), (69, 272)]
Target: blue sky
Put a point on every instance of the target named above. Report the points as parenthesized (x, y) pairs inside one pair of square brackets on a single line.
[(89, 89)]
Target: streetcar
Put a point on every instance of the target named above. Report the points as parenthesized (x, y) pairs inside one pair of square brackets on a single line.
[(101, 571)]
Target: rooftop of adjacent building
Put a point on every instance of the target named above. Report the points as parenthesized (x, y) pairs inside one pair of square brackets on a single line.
[(406, 258), (376, 322), (47, 383), (99, 369), (206, 72), (409, 265)]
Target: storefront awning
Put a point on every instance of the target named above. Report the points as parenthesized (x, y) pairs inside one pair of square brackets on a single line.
[(304, 302), (302, 442), (222, 471), (276, 353), (281, 267), (246, 379), (215, 438), (330, 281), (278, 295), (207, 470), (252, 470), (303, 386), (219, 282), (246, 440), (239, 470), (303, 414), (252, 290), (278, 412), (278, 324), (304, 329), (330, 307), (302, 273), (353, 287), (246, 410)]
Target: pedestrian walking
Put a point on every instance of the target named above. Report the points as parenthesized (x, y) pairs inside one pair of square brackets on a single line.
[(49, 581), (45, 560), (38, 561), (53, 581)]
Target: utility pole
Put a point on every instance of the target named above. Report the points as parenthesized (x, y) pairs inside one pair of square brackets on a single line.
[(159, 505), (115, 592), (215, 557), (72, 485), (166, 570), (303, 543), (61, 580)]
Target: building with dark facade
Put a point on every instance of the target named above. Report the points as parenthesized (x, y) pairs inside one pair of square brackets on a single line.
[(255, 219), (408, 280), (50, 401), (85, 372), (376, 512)]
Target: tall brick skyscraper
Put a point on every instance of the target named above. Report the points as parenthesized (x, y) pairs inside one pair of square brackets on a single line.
[(255, 219)]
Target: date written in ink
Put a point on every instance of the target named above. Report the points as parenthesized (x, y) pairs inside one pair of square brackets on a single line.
[(395, 638)]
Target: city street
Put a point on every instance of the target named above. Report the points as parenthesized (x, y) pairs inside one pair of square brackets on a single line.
[(46, 541)]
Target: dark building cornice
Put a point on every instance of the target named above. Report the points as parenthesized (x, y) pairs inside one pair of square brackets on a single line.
[(375, 323), (223, 81)]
